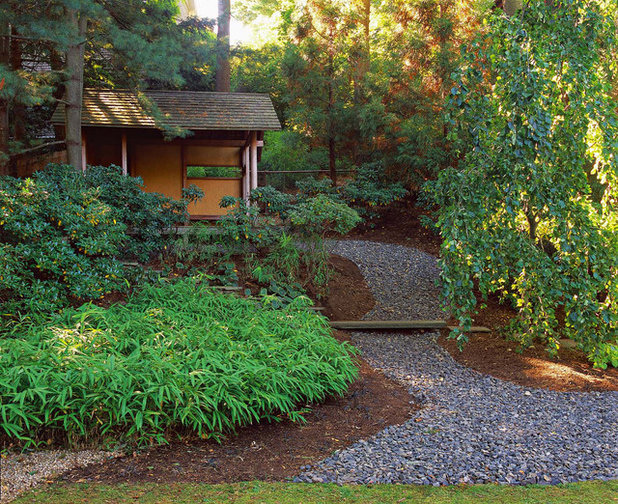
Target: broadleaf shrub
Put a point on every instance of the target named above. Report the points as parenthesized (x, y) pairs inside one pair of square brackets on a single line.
[(63, 233), (148, 216), (57, 244), (176, 356)]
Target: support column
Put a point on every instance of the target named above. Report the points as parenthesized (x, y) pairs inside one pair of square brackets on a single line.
[(254, 161), (125, 165), (246, 180), (84, 153)]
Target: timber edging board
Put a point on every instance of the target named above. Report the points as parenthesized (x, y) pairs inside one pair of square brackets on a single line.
[(388, 324), (372, 325)]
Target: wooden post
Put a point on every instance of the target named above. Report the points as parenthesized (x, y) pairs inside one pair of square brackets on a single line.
[(254, 161), (246, 180), (84, 153), (183, 164), (125, 164)]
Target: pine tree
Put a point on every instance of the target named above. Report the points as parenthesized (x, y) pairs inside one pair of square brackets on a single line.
[(142, 34)]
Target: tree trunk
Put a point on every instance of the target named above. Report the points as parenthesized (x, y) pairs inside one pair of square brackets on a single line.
[(364, 57), (512, 6), (222, 76), (19, 110), (332, 155), (74, 90), (4, 107)]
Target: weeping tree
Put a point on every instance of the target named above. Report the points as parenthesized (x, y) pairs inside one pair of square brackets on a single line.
[(530, 212)]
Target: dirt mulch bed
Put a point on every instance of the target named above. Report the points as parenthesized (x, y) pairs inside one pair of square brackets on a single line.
[(276, 452), (270, 452), (349, 297), (533, 367)]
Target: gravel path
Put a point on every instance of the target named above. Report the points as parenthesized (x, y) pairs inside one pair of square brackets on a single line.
[(472, 428), (20, 472)]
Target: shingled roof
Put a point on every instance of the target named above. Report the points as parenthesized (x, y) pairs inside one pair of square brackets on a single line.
[(194, 110)]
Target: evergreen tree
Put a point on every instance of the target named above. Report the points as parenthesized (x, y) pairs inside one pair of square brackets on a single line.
[(140, 35)]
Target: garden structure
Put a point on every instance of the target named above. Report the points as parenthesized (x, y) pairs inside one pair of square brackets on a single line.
[(222, 139)]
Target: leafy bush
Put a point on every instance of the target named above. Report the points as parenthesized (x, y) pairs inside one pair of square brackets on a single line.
[(310, 187), (369, 190), (272, 200), (62, 233), (320, 215), (244, 229), (531, 210), (175, 356), (58, 243), (148, 216)]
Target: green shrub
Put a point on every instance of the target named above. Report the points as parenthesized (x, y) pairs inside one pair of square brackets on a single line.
[(369, 191), (148, 216), (58, 243), (321, 215), (244, 229), (272, 201), (175, 356), (366, 193)]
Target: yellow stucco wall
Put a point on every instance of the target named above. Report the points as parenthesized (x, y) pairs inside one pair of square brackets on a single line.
[(212, 156), (160, 167), (214, 189)]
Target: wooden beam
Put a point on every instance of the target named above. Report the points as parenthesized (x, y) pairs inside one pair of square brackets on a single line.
[(254, 161), (183, 165), (246, 180), (474, 329), (372, 325), (84, 163), (125, 164)]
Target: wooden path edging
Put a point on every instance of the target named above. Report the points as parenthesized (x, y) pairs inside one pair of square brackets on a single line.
[(373, 325)]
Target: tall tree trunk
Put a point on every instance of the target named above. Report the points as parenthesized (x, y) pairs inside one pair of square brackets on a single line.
[(364, 56), (332, 155), (5, 45), (512, 6), (19, 110), (75, 90), (222, 76)]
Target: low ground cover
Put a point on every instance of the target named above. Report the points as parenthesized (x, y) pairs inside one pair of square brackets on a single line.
[(175, 356), (282, 493)]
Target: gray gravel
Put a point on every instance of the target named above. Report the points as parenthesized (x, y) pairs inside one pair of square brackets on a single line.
[(22, 471), (472, 428)]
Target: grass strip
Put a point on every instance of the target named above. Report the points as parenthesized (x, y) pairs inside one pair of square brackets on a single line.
[(605, 492)]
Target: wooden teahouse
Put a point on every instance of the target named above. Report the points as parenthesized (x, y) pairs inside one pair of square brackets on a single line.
[(220, 155)]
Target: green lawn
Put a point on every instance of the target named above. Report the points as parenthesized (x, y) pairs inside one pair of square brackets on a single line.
[(288, 493)]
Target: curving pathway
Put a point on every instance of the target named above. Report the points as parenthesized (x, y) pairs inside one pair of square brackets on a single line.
[(472, 428)]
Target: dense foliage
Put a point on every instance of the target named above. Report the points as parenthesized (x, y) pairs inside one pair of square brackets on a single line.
[(530, 212), (63, 233), (149, 217), (176, 356), (57, 244), (308, 219)]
